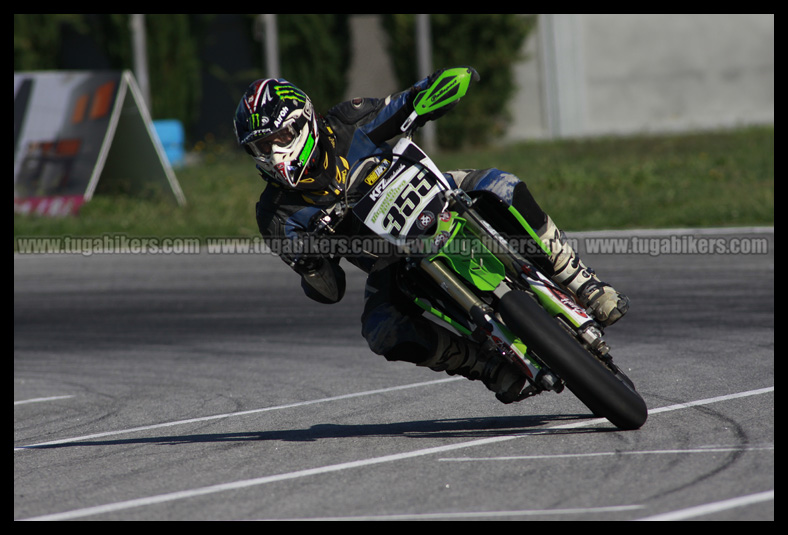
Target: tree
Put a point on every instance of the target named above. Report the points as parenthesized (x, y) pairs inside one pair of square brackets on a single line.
[(490, 43)]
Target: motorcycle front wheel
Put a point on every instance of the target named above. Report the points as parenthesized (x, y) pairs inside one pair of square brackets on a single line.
[(586, 376)]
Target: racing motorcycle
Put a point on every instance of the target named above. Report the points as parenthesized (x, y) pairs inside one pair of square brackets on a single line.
[(475, 264)]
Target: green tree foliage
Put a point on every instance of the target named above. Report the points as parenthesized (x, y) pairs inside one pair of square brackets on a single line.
[(173, 52), (315, 55), (174, 66), (173, 59), (37, 39), (490, 43)]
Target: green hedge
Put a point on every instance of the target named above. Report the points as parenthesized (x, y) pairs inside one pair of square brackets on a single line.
[(315, 54), (174, 65), (490, 43)]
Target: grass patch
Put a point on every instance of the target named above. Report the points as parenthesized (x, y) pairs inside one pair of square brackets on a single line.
[(705, 179), (692, 180)]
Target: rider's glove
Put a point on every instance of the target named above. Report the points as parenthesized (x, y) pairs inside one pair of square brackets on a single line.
[(306, 257), (326, 283)]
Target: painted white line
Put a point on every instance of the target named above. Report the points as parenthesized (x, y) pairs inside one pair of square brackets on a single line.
[(246, 483), (714, 507), (36, 400), (464, 515), (713, 449), (231, 414), (235, 485), (706, 401)]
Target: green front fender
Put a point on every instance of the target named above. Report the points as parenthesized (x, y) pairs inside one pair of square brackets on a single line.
[(469, 257)]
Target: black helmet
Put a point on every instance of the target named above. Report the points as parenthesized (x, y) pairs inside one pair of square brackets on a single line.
[(276, 124)]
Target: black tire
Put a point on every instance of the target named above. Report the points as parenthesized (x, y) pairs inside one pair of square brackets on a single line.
[(586, 376)]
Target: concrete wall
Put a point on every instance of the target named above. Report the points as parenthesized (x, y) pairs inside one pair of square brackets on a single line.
[(601, 74)]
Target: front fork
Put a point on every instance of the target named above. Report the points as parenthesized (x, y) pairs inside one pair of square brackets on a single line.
[(553, 299), (489, 327)]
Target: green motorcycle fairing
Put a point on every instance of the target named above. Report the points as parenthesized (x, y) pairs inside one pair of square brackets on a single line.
[(467, 255)]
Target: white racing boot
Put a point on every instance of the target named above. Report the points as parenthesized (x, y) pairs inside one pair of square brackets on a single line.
[(606, 304)]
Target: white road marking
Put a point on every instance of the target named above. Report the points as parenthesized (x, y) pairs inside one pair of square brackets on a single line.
[(246, 483), (464, 515), (714, 507), (706, 401), (235, 485), (713, 449), (231, 414), (36, 400)]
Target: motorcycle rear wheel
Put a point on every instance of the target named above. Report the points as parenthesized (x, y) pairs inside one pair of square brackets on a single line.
[(586, 376)]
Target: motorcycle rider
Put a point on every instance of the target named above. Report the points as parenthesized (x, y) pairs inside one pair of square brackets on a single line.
[(309, 162)]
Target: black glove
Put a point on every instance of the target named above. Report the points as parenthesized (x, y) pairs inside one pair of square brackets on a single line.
[(325, 284), (306, 256)]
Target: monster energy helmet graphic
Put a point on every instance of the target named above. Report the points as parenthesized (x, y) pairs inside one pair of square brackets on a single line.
[(276, 123)]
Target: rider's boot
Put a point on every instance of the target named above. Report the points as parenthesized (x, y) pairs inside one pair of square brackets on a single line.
[(606, 304), (458, 356)]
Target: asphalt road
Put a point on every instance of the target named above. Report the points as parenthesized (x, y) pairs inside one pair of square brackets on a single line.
[(206, 387)]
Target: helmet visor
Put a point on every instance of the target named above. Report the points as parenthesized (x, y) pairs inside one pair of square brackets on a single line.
[(263, 147)]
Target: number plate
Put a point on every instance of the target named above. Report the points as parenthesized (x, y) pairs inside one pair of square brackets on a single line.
[(403, 202)]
